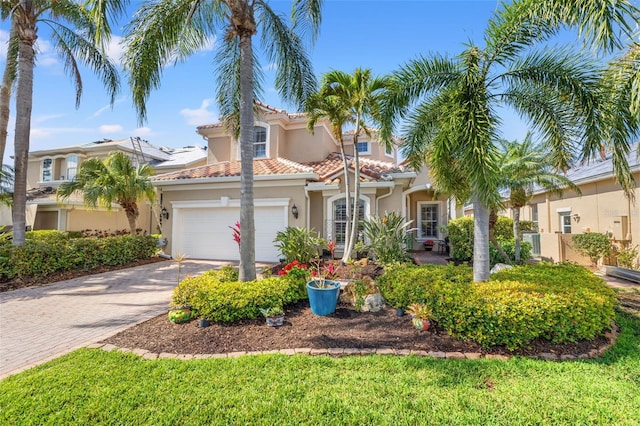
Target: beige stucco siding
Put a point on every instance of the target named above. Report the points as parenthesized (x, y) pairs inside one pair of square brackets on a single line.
[(301, 146)]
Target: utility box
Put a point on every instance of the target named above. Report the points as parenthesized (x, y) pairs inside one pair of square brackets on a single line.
[(620, 228)]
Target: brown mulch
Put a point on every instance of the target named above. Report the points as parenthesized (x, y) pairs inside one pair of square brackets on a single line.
[(24, 282), (346, 328)]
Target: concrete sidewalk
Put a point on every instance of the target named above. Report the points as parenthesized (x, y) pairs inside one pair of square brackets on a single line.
[(38, 324)]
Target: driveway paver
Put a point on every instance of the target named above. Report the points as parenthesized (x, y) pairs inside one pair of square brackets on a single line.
[(38, 324)]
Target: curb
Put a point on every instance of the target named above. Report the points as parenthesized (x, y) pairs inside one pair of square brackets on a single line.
[(341, 352)]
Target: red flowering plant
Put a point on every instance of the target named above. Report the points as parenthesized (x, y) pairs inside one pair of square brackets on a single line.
[(332, 247), (323, 274), (236, 233), (295, 270)]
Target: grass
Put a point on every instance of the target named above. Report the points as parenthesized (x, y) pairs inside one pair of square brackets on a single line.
[(97, 387)]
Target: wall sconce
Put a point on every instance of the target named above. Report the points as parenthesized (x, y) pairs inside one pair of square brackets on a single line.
[(576, 217), (294, 211), (164, 213)]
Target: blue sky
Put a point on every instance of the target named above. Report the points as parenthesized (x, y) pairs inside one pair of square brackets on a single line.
[(375, 34)]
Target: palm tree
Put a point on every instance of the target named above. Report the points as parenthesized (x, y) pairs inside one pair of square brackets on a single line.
[(8, 79), (556, 90), (171, 30), (525, 167), (74, 34), (349, 99), (333, 108), (114, 180)]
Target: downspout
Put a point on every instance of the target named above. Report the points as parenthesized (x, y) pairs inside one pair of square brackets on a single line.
[(629, 235), (380, 198), (307, 207)]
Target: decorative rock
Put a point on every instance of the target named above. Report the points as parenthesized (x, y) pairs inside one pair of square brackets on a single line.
[(567, 357), (473, 355), (184, 357), (385, 351), (373, 303), (219, 355), (403, 352), (500, 267), (201, 356), (367, 351), (124, 350), (288, 351), (593, 353), (436, 354), (306, 351), (336, 351), (140, 352), (419, 353), (319, 351), (166, 355), (236, 354), (454, 355), (351, 351), (150, 355), (274, 351)]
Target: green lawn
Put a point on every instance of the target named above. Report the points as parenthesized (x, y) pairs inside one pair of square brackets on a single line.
[(93, 387)]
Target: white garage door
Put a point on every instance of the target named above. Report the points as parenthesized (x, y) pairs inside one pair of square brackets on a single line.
[(204, 233)]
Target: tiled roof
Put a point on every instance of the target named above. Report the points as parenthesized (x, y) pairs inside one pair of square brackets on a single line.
[(265, 109), (261, 167), (369, 169)]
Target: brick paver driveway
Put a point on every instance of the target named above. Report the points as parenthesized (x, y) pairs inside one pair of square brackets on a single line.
[(41, 323)]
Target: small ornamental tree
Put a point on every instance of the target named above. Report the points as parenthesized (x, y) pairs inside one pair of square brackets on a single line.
[(592, 244)]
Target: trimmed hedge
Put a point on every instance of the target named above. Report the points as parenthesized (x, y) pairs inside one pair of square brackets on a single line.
[(561, 303), (50, 252), (213, 296)]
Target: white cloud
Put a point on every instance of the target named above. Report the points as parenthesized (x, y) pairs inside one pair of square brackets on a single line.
[(110, 128), (142, 131), (42, 118), (210, 44), (199, 116), (47, 132), (115, 48), (45, 54), (4, 40), (107, 107)]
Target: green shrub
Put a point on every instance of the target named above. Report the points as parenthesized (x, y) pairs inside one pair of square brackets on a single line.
[(627, 258), (228, 301), (561, 303), (592, 244), (52, 253), (460, 233), (47, 235), (387, 238), (299, 244), (509, 247)]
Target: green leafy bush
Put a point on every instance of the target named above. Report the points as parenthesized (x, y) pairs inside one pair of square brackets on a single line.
[(509, 247), (47, 253), (300, 244), (387, 238), (592, 244), (628, 258), (228, 301), (561, 303), (461, 238), (47, 235)]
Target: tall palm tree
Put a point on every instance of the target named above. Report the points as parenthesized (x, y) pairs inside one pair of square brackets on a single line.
[(320, 106), (114, 180), (355, 100), (525, 167), (556, 90), (170, 30), (73, 33)]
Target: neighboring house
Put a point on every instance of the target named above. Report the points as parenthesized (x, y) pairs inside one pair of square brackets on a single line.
[(602, 208), (49, 168), (297, 182)]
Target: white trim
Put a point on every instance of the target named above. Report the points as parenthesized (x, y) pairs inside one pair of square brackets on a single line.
[(216, 181), (329, 213), (368, 151), (267, 127), (563, 210), (228, 202)]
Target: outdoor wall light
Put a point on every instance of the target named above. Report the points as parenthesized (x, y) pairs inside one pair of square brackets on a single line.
[(294, 211), (164, 213)]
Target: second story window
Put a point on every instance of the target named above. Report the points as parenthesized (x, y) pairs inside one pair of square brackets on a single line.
[(363, 148), (47, 167), (260, 142), (72, 166)]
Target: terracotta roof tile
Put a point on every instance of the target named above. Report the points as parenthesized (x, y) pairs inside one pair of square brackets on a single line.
[(369, 169), (261, 167)]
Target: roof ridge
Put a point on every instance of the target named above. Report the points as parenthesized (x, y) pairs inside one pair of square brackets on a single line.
[(295, 164)]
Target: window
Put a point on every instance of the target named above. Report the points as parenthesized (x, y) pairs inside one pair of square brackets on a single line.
[(260, 142), (364, 148), (428, 221), (47, 168), (534, 216), (565, 222), (72, 166), (340, 219)]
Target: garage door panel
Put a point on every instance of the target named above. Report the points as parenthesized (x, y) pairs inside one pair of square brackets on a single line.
[(205, 234)]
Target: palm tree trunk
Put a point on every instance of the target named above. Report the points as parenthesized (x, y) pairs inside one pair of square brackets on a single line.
[(25, 28), (480, 241), (493, 219), (346, 255), (8, 77), (516, 232), (356, 194), (247, 225)]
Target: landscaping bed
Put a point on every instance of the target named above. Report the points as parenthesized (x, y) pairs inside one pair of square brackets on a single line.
[(346, 328)]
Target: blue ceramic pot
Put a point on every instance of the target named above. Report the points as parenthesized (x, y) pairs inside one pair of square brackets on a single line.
[(323, 299)]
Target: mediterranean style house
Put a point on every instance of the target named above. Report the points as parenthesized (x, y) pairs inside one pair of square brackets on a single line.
[(298, 181), (49, 168), (601, 208)]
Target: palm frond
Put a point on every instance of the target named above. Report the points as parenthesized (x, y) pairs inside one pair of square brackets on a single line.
[(306, 17)]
